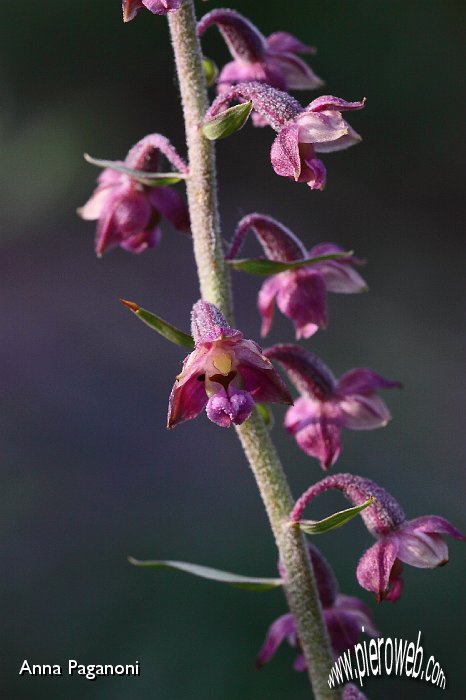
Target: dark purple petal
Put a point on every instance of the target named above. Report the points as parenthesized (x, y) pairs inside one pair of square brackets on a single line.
[(285, 42), (224, 410), (297, 75), (130, 9), (239, 71), (264, 385), (425, 551), (341, 278), (313, 172), (110, 183), (186, 401), (307, 372), (339, 275), (162, 7), (131, 213), (278, 631), (302, 298), (375, 566), (344, 622), (126, 212), (351, 138), (139, 242), (433, 524), (318, 434), (364, 412), (173, 207), (266, 302), (284, 154), (299, 664), (320, 128), (395, 586), (363, 381), (325, 578), (329, 102), (107, 234)]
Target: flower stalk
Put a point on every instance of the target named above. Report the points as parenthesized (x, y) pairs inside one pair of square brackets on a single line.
[(202, 184), (300, 587)]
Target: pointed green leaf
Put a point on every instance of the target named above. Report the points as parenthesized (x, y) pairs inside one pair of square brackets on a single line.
[(266, 415), (145, 178), (166, 329), (210, 70), (263, 266), (245, 582), (317, 527), (226, 123)]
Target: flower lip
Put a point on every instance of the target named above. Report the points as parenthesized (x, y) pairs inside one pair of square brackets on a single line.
[(225, 373)]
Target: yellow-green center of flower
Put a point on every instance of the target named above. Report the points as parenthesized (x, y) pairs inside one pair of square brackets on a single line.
[(222, 362)]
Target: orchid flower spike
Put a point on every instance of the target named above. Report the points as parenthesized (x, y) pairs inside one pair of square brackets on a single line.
[(416, 542), (225, 374), (302, 132), (129, 212), (300, 294), (157, 7), (344, 616), (269, 60), (327, 405)]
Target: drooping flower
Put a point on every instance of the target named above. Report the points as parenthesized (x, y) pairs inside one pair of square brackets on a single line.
[(157, 7), (302, 132), (300, 294), (129, 212), (327, 405), (271, 60), (416, 542), (344, 616), (225, 374)]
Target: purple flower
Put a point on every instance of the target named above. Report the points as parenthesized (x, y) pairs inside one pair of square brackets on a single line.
[(158, 7), (343, 615), (269, 60), (416, 542), (300, 294), (225, 374), (318, 128), (129, 212), (327, 405)]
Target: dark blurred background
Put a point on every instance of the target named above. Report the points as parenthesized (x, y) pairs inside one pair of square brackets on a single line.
[(89, 473)]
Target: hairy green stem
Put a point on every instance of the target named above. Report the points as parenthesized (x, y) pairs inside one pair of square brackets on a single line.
[(202, 182), (300, 588)]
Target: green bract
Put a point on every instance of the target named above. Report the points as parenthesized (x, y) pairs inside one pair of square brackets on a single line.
[(245, 582), (145, 178), (332, 522), (265, 267), (226, 123), (170, 332)]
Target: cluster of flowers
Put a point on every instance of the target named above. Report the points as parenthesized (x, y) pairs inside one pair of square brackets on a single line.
[(227, 374)]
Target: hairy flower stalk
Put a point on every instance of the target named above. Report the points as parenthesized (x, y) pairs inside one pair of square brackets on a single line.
[(300, 588)]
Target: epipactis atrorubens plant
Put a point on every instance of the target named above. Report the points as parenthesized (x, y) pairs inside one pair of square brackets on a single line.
[(231, 377)]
